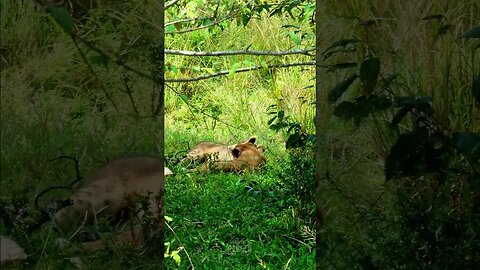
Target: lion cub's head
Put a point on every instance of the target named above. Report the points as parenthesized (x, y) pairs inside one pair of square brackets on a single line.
[(248, 155)]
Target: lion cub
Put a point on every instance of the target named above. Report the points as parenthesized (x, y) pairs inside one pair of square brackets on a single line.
[(229, 158), (109, 191)]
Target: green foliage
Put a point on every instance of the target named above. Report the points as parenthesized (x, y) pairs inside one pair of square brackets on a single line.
[(62, 17), (472, 33), (297, 136), (297, 179), (426, 218)]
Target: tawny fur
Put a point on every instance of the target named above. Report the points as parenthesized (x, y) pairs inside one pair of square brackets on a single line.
[(110, 190), (244, 156), (210, 151)]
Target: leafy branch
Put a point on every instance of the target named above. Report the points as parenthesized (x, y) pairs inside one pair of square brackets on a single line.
[(215, 22)]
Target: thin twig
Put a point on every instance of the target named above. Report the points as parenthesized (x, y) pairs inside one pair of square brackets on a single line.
[(226, 72), (90, 68), (295, 239), (238, 52), (128, 91), (178, 239)]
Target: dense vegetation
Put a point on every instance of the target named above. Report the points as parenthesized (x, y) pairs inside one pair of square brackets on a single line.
[(382, 59)]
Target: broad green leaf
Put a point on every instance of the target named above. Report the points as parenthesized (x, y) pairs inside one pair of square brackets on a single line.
[(340, 88), (170, 29), (233, 69), (246, 16), (174, 69), (264, 65), (207, 21), (176, 257), (62, 17), (183, 97), (295, 38), (473, 33), (369, 70)]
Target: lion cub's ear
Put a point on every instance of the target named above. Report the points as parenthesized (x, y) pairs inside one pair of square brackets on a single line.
[(235, 152), (252, 139)]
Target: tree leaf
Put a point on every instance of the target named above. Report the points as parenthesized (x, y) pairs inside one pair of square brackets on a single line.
[(416, 153), (341, 50), (170, 29), (422, 104), (399, 116), (271, 120), (342, 43), (345, 109), (62, 17), (340, 88), (472, 33), (469, 145), (233, 69), (443, 29), (246, 16), (296, 140), (183, 97), (369, 70), (295, 38), (476, 88)]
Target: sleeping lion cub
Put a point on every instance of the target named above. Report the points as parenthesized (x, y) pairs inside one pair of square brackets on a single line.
[(229, 158), (111, 190)]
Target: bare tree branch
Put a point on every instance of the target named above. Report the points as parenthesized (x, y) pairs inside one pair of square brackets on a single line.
[(237, 52), (207, 76), (225, 72), (171, 3)]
